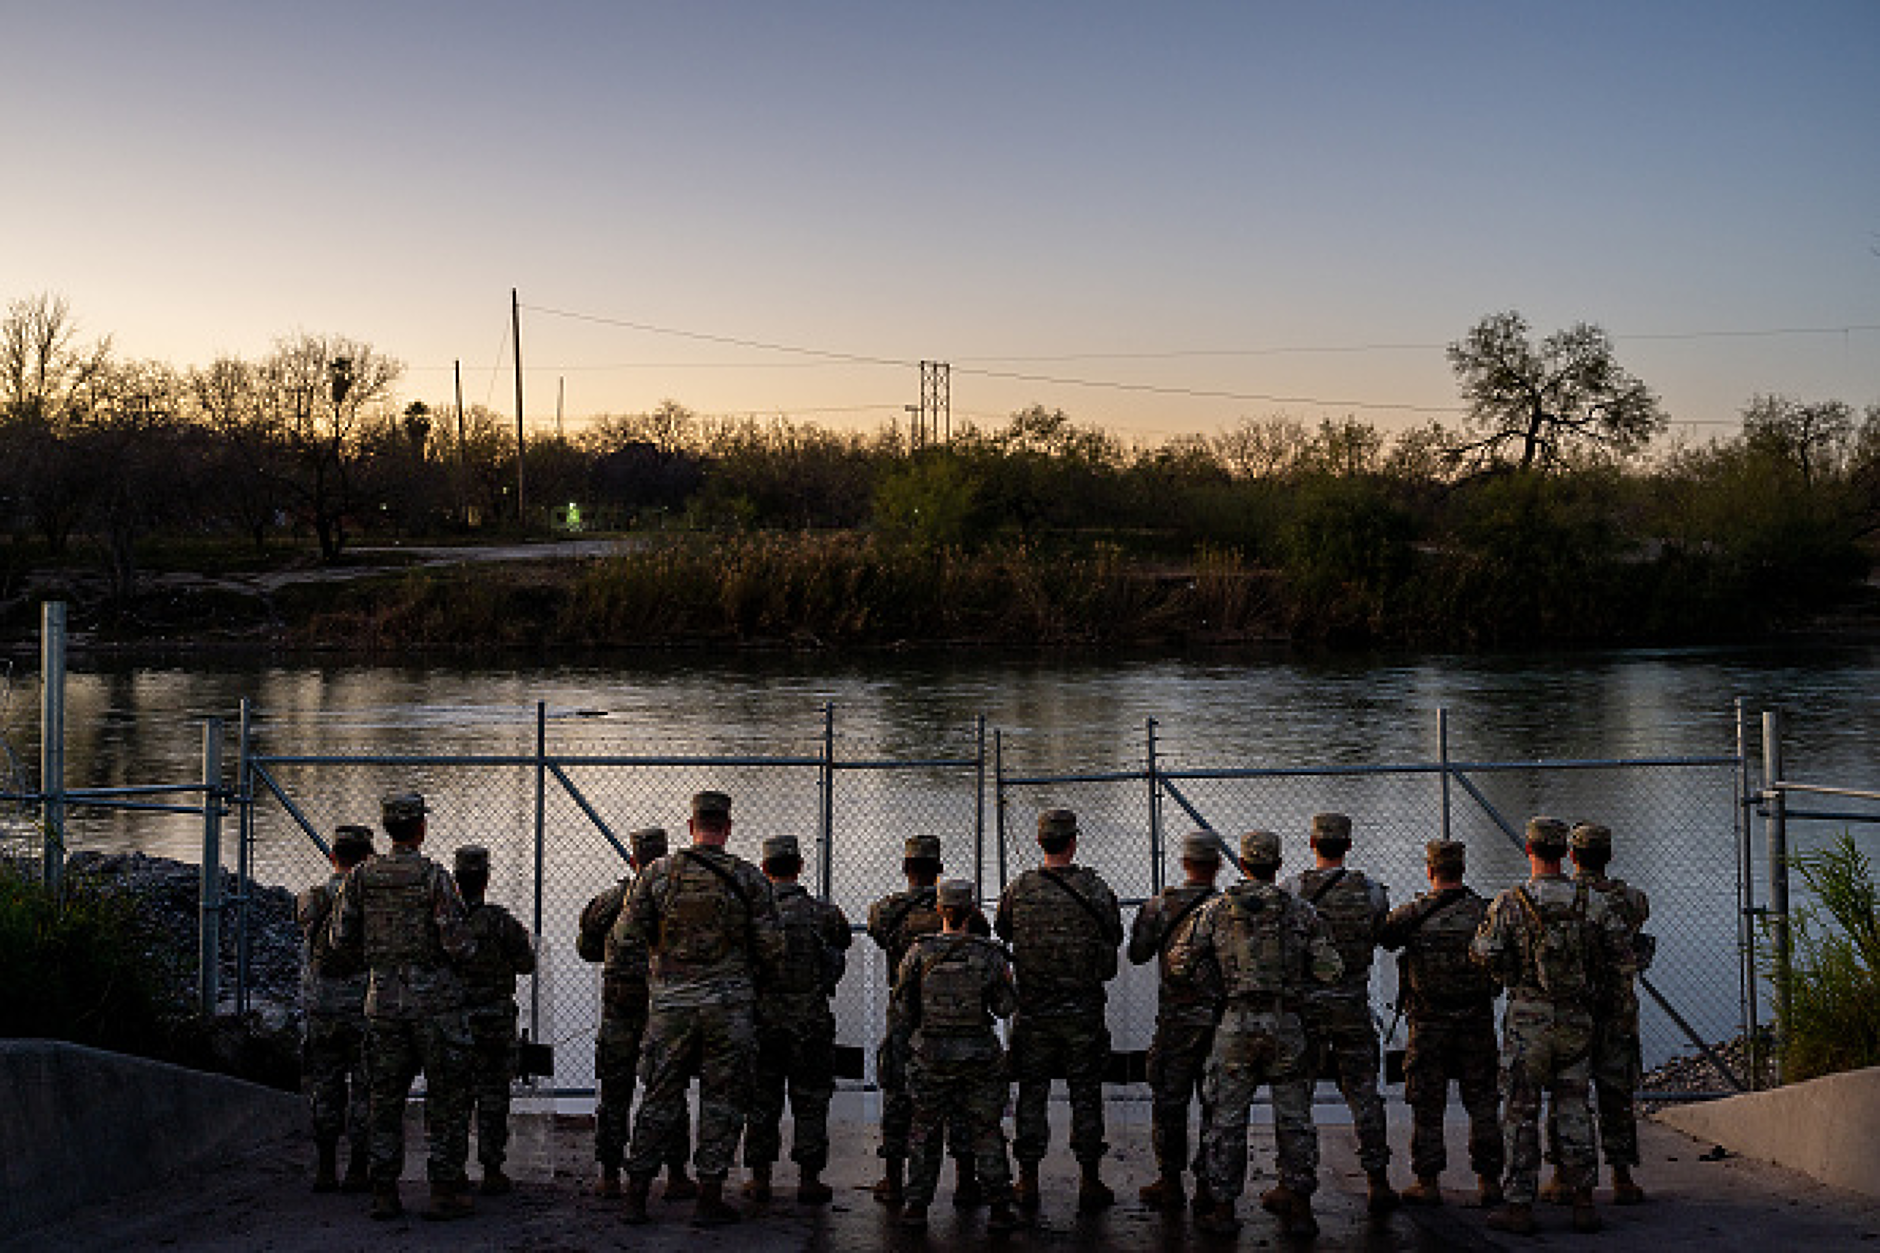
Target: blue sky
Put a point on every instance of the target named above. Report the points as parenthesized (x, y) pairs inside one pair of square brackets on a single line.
[(1167, 218)]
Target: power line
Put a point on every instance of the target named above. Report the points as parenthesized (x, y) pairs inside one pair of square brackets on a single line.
[(732, 341)]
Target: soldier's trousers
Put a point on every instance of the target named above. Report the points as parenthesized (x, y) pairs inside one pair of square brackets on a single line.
[(396, 1050), (1463, 1050), (1076, 1046), (334, 1077), (1250, 1049), (719, 1042), (957, 1097), (1616, 1067), (797, 1058), (1178, 1060), (1341, 1030), (616, 1063), (492, 1070), (1546, 1050), (897, 1106)]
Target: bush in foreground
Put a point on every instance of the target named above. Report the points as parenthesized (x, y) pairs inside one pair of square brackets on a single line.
[(1834, 987)]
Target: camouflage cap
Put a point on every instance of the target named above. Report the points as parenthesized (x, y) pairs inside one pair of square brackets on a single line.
[(648, 844), (711, 805), (1201, 846), (1446, 855), (921, 848), (776, 846), (1591, 835), (1331, 827), (473, 858), (1545, 832), (1259, 848), (402, 807), (350, 839), (954, 894), (1057, 824)]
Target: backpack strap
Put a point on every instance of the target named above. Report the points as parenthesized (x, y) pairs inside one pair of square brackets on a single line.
[(1096, 916), (1331, 881), (1175, 923)]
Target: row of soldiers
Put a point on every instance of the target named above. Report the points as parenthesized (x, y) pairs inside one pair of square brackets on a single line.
[(720, 970)]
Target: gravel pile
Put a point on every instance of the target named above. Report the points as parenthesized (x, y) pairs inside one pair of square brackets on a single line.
[(1694, 1073)]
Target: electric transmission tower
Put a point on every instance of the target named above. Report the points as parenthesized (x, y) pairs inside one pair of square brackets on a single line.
[(933, 421)]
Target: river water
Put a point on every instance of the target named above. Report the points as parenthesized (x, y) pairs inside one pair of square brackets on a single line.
[(140, 723)]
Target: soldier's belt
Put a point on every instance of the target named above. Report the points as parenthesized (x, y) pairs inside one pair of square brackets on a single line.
[(1263, 1003)]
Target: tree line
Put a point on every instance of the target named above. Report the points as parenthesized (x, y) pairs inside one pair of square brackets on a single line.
[(1555, 507)]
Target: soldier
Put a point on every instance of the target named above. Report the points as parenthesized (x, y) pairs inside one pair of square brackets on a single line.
[(402, 914), (1261, 948), (894, 923), (709, 920), (1550, 942), (1184, 1018), (1616, 1062), (623, 1025), (1338, 1022), (1064, 926), (333, 1052), (796, 1032), (1450, 1001), (949, 989), (502, 951)]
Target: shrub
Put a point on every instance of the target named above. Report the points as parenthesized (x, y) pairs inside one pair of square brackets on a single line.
[(1834, 984)]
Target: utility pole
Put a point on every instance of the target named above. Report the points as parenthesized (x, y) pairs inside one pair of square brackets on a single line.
[(561, 390), (515, 334), (463, 474)]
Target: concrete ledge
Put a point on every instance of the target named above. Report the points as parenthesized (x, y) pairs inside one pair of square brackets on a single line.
[(80, 1125), (1827, 1128)]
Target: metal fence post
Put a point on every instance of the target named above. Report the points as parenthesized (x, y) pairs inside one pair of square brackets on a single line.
[(1442, 758), (209, 954), (979, 803), (52, 740), (998, 799), (1155, 815), (541, 809), (244, 854), (1746, 899), (1775, 820), (826, 816)]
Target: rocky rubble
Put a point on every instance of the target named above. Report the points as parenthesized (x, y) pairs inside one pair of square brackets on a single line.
[(1695, 1074)]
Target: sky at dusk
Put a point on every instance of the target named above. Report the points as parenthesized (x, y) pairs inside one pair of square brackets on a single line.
[(1158, 218)]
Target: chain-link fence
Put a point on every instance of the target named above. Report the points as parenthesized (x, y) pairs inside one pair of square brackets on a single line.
[(554, 808)]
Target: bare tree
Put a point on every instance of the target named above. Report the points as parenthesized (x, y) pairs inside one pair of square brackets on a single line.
[(1566, 394), (1813, 437), (49, 382)]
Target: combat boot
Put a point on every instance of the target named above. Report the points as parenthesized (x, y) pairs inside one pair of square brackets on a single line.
[(495, 1182), (326, 1166), (638, 1188), (1092, 1192), (1165, 1193), (1003, 1217), (449, 1201), (679, 1185), (385, 1202), (1218, 1219), (1488, 1192), (913, 1218), (811, 1190), (711, 1210), (1624, 1190), (1516, 1219), (1202, 1199), (1382, 1198), (757, 1187), (1025, 1191), (358, 1176), (1586, 1218), (967, 1193), (1555, 1191), (608, 1185), (1277, 1199), (1299, 1220), (888, 1187), (1427, 1190)]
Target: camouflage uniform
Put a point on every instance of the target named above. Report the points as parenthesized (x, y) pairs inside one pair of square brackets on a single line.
[(333, 1051), (1064, 927), (1616, 1063), (710, 922), (1549, 942), (502, 951), (894, 923), (1184, 1017), (947, 992), (403, 912), (1262, 948), (624, 962), (1337, 1020), (1449, 1001), (796, 1032)]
